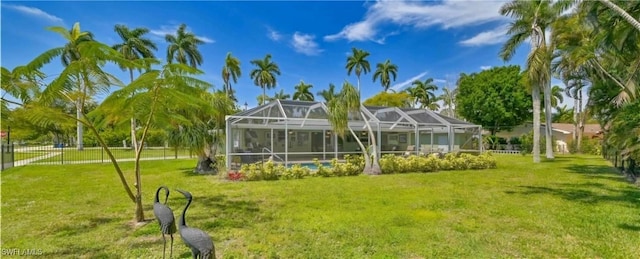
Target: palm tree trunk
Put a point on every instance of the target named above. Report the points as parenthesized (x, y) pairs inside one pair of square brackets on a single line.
[(576, 111), (635, 23), (264, 94), (375, 165), (134, 141), (535, 96), (79, 129), (580, 120), (548, 120), (367, 159)]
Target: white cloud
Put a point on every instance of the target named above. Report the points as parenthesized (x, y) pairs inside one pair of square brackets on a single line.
[(273, 34), (205, 39), (172, 29), (305, 44), (447, 14), (400, 86), (439, 80), (485, 67), (33, 12), (494, 36)]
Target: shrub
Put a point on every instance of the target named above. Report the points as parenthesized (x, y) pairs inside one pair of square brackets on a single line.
[(262, 171), (527, 143), (297, 171), (322, 170)]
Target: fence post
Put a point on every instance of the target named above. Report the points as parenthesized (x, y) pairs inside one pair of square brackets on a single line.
[(61, 155)]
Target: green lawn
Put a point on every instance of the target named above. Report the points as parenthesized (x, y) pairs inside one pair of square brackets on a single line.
[(573, 207)]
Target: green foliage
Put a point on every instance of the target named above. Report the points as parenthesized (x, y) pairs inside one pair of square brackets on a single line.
[(296, 171), (526, 146), (392, 164), (588, 146), (401, 99), (113, 138), (495, 98), (262, 171)]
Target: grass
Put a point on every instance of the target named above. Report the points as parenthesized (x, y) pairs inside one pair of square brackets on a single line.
[(573, 207)]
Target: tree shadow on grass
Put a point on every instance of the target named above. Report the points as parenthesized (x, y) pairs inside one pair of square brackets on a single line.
[(632, 227), (82, 226), (584, 193), (597, 172), (221, 212)]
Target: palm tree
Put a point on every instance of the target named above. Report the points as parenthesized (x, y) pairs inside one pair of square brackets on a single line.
[(448, 98), (281, 96), (134, 46), (385, 71), (183, 47), (303, 92), (425, 93), (563, 115), (230, 71), (20, 83), (358, 62), (70, 53), (340, 109), (328, 94), (626, 16), (264, 75), (556, 96), (80, 79), (532, 18)]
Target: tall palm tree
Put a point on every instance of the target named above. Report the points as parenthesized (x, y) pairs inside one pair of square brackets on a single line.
[(340, 109), (424, 91), (303, 92), (70, 53), (230, 71), (563, 115), (328, 94), (531, 20), (183, 47), (358, 63), (385, 71), (264, 75), (448, 98), (134, 46)]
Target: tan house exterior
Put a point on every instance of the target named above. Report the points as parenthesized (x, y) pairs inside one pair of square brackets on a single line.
[(562, 132)]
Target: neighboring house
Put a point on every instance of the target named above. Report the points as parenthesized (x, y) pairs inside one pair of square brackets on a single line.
[(562, 132)]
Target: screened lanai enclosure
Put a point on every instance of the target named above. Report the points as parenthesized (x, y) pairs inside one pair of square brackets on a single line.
[(297, 132)]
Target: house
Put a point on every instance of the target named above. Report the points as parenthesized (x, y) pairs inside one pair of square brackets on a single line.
[(298, 131), (562, 132)]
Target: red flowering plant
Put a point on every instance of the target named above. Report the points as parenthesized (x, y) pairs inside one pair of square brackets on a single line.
[(235, 175)]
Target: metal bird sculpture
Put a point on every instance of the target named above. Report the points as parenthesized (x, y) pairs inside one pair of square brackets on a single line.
[(165, 218), (199, 241)]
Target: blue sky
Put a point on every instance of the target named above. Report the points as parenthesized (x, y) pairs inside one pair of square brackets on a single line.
[(308, 40)]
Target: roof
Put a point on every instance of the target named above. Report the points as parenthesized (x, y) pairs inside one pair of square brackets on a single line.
[(312, 112), (590, 129)]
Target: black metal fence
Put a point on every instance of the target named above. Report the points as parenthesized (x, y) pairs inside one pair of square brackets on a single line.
[(15, 155)]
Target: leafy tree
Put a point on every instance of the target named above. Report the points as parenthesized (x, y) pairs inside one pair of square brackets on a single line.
[(82, 77), (401, 99), (358, 63), (563, 115), (495, 98), (385, 71), (328, 94), (303, 92), (280, 96), (264, 75), (183, 47), (230, 71), (134, 46)]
